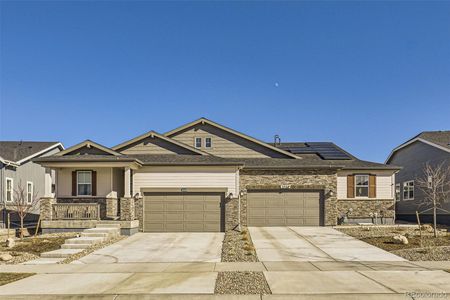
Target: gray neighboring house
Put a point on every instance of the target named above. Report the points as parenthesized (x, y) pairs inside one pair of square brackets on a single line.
[(16, 167), (431, 147)]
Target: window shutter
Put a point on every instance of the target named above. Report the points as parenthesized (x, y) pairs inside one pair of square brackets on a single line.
[(74, 183), (350, 186), (372, 186), (94, 183)]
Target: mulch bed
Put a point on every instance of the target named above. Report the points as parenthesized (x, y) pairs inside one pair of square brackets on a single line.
[(6, 278), (241, 283), (430, 248)]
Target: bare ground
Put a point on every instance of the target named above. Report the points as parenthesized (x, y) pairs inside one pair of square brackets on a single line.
[(417, 249)]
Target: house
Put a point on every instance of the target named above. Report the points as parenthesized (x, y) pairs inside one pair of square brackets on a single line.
[(204, 176), (431, 147), (17, 168)]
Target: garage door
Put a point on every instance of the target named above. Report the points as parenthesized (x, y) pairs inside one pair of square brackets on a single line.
[(284, 208), (175, 212)]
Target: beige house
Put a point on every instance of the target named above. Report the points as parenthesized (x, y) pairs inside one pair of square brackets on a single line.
[(204, 176)]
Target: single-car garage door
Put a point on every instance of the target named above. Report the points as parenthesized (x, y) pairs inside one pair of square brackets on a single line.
[(175, 212), (284, 208)]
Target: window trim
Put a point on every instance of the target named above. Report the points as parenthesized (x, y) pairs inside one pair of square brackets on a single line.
[(195, 142), (405, 183), (210, 142), (368, 185), (6, 189), (31, 193), (79, 171), (399, 191)]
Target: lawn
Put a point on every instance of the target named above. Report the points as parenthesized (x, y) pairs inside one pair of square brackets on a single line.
[(427, 248), (31, 247)]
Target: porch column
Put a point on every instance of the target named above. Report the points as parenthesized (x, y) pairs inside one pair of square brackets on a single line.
[(127, 179), (48, 180)]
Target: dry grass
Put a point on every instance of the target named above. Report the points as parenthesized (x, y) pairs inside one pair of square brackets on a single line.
[(37, 245), (6, 278), (417, 249)]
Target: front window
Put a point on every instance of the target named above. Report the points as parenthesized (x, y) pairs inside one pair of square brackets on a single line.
[(29, 192), (362, 185), (397, 192), (208, 142), (84, 183), (9, 190), (408, 190), (198, 142)]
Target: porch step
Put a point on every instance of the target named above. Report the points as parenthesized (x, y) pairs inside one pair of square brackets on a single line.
[(60, 253), (108, 230), (85, 240), (95, 234), (108, 225), (75, 246)]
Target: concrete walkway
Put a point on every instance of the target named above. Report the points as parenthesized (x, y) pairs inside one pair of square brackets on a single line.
[(284, 278), (299, 244)]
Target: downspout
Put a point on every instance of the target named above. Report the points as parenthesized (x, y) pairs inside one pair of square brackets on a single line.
[(239, 197)]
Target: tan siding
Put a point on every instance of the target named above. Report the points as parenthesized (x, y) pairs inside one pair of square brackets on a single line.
[(104, 181), (384, 181), (224, 143), (186, 177), (154, 145)]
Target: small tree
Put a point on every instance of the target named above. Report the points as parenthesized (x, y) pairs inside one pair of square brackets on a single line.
[(435, 185), (23, 204)]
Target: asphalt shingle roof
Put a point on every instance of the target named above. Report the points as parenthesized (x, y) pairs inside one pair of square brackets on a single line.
[(441, 138), (18, 150)]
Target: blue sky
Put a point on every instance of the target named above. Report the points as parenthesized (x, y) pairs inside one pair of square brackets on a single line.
[(366, 75)]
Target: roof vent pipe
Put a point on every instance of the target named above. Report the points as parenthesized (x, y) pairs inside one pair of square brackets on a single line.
[(276, 140)]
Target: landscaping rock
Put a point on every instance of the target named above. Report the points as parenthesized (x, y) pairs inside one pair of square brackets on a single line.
[(5, 257), (241, 283), (10, 243), (400, 239)]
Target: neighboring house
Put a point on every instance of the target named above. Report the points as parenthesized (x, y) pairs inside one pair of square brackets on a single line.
[(16, 167), (431, 147), (204, 176)]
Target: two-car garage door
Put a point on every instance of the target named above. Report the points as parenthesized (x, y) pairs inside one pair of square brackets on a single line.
[(284, 208), (175, 212)]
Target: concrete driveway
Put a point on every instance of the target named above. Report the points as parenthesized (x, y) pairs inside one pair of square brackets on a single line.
[(313, 244), (160, 247)]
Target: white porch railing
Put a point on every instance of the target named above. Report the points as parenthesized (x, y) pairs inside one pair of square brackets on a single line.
[(76, 211)]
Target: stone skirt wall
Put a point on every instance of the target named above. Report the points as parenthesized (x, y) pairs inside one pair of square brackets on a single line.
[(312, 179), (363, 210)]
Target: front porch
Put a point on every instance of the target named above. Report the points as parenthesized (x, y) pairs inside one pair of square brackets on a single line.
[(85, 194)]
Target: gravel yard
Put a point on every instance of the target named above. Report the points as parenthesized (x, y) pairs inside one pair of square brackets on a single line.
[(31, 247), (430, 248), (241, 283), (238, 247)]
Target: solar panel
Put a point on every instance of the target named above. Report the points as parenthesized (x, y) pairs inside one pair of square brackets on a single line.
[(325, 150)]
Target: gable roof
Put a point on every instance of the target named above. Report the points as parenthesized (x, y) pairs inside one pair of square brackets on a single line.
[(165, 138), (88, 144), (439, 139), (232, 131), (18, 152)]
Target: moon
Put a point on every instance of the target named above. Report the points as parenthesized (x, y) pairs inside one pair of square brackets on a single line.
[(276, 84)]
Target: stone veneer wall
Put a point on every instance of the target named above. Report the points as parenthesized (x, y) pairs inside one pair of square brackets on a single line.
[(231, 213), (298, 179), (127, 209), (363, 208), (139, 211)]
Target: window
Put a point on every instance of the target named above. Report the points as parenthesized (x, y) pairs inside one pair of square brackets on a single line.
[(208, 142), (198, 142), (397, 192), (9, 190), (84, 183), (29, 192), (362, 185), (408, 190)]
